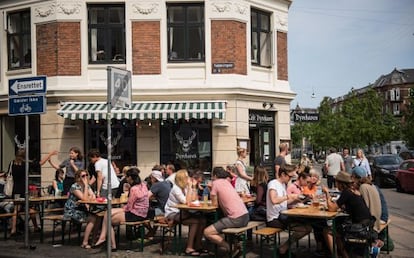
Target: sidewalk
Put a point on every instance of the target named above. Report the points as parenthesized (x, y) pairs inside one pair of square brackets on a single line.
[(14, 248)]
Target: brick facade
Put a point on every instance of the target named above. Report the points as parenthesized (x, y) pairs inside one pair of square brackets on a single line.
[(146, 49), (59, 43), (228, 45), (282, 56)]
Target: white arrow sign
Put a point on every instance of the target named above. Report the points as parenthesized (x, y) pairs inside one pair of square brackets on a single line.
[(28, 85)]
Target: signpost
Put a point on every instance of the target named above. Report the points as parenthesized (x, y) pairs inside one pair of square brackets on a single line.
[(27, 97), (118, 95)]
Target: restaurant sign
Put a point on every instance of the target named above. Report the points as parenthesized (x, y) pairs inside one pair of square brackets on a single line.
[(305, 117), (261, 118)]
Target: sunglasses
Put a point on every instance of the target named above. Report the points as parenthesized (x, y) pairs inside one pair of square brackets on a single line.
[(84, 175)]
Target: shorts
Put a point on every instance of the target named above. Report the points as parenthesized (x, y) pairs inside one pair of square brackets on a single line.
[(227, 222), (130, 217)]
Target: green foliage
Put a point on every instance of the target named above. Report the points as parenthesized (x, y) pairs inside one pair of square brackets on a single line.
[(358, 122), (408, 127)]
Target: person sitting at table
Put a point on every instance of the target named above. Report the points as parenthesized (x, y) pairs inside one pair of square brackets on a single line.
[(81, 191), (258, 186), (136, 208), (160, 191), (235, 211), (352, 203), (371, 196), (277, 201), (313, 183), (297, 188), (183, 192)]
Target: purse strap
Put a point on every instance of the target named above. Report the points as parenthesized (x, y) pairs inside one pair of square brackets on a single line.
[(9, 171)]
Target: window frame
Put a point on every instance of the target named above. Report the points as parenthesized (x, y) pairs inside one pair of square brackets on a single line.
[(186, 26), (256, 49), (108, 28), (21, 34)]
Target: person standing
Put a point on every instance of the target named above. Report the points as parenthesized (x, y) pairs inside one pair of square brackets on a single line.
[(280, 160), (348, 160), (333, 164), (102, 172), (242, 177), (72, 164), (170, 173), (18, 169), (361, 161)]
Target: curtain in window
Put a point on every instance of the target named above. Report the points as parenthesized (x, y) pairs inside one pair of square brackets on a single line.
[(94, 33)]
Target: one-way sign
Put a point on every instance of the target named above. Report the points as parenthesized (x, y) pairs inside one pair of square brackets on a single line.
[(27, 86)]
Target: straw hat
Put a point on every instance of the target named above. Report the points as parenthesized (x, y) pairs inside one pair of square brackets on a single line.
[(343, 177)]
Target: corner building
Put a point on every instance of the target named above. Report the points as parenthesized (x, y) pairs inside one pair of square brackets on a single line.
[(206, 77)]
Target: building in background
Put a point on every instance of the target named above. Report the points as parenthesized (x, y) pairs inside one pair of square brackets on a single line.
[(206, 76)]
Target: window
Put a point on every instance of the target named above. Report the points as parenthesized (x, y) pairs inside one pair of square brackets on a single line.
[(106, 24), (186, 144), (18, 40), (185, 32), (123, 137), (261, 38)]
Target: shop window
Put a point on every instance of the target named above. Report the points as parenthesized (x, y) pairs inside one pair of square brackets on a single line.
[(123, 140), (185, 26), (106, 24), (186, 144), (261, 38), (18, 40)]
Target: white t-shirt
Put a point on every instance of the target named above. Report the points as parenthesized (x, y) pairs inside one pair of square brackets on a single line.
[(334, 161), (102, 166), (176, 196), (273, 210)]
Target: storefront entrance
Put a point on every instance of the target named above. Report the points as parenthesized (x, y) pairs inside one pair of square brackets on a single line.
[(262, 136)]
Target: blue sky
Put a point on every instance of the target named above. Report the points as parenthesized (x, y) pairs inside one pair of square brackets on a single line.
[(336, 45)]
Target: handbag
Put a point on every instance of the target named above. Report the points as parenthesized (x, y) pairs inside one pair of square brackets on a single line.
[(358, 232), (8, 187)]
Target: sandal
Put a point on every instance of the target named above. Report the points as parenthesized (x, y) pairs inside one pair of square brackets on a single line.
[(86, 246), (192, 253)]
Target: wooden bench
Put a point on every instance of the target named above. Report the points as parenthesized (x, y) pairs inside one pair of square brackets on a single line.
[(384, 228), (271, 235), (167, 228), (4, 218), (137, 225), (56, 220), (242, 231)]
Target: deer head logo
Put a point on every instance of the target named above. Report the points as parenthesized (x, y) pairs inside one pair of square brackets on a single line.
[(18, 143), (185, 144), (114, 140)]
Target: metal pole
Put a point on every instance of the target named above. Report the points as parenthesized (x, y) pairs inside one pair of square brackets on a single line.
[(26, 196), (109, 150)]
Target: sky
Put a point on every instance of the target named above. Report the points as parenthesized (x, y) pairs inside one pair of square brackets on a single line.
[(336, 45)]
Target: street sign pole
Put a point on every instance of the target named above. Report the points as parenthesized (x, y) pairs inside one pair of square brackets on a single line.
[(109, 150), (26, 196)]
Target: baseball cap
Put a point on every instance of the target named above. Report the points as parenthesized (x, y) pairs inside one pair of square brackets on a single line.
[(157, 175)]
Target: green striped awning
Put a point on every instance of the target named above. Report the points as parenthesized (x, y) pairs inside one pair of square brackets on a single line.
[(146, 110)]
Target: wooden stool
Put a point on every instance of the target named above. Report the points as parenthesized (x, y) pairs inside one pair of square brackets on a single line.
[(171, 230), (268, 234), (140, 226)]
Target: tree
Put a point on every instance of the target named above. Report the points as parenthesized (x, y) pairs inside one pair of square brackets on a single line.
[(408, 125)]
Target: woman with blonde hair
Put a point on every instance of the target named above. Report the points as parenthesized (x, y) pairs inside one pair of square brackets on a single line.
[(242, 177), (361, 161), (81, 191), (184, 191)]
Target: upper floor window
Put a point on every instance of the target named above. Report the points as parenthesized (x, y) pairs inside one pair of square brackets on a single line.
[(18, 40), (261, 44), (106, 24), (185, 26)]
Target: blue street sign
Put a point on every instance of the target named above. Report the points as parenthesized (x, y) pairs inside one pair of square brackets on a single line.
[(27, 105), (27, 86)]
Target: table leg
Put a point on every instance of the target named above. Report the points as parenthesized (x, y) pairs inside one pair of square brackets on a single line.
[(41, 212), (334, 238)]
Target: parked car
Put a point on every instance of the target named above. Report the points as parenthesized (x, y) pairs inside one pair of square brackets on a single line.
[(405, 176), (384, 168), (406, 154)]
